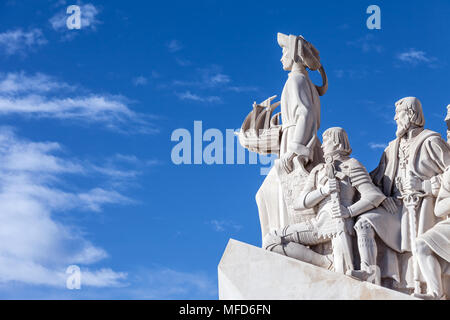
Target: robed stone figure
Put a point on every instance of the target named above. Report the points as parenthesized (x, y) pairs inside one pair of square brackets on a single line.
[(300, 113), (412, 164)]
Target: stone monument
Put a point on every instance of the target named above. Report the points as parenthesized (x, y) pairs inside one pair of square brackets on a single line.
[(353, 235)]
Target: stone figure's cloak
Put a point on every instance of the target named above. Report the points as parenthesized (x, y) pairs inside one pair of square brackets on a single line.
[(300, 114), (438, 237), (429, 156)]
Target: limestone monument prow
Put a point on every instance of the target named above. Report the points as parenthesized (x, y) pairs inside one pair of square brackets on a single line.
[(378, 235), (243, 274)]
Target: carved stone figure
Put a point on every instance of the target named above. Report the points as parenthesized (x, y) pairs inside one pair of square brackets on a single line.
[(300, 115), (410, 169), (447, 121), (433, 246), (338, 190), (317, 202)]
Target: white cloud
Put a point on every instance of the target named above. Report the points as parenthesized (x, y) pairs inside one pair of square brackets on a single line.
[(195, 97), (222, 225), (14, 83), (35, 247), (174, 45), (212, 78), (42, 96), (103, 278), (166, 283), (183, 62), (88, 18), (358, 72), (366, 44), (339, 73), (375, 146), (208, 79), (239, 89), (219, 79), (414, 57), (140, 81), (18, 41), (132, 159)]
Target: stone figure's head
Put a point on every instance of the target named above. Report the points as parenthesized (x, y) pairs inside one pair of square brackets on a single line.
[(408, 114), (298, 50), (335, 141)]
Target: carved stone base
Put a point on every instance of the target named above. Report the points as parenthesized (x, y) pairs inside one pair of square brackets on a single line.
[(247, 272)]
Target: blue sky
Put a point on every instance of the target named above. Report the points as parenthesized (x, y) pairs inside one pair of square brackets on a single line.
[(87, 115)]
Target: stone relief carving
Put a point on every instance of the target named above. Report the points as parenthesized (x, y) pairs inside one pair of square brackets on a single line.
[(390, 227)]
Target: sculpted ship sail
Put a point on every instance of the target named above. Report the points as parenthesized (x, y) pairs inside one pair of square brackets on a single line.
[(260, 131)]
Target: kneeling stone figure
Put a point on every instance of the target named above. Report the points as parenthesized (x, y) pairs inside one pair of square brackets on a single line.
[(338, 191)]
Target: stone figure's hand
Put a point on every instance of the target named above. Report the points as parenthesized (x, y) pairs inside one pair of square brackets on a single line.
[(325, 190), (432, 186), (333, 185), (342, 213), (413, 183), (271, 240), (329, 187), (288, 161), (389, 205)]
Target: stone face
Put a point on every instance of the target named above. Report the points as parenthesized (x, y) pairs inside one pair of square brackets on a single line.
[(246, 272)]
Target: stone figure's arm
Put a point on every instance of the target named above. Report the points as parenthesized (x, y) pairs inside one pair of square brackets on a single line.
[(370, 196), (308, 200), (442, 208), (311, 194), (378, 173), (438, 151), (301, 101), (377, 178)]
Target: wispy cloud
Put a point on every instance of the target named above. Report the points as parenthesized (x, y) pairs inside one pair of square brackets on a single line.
[(239, 89), (207, 79), (187, 95), (375, 146), (89, 20), (223, 225), (19, 82), (183, 62), (132, 159), (167, 283), (42, 96), (19, 42), (140, 81), (174, 46), (414, 57), (36, 248), (366, 44)]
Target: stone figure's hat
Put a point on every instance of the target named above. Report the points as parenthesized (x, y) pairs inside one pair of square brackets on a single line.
[(301, 49)]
